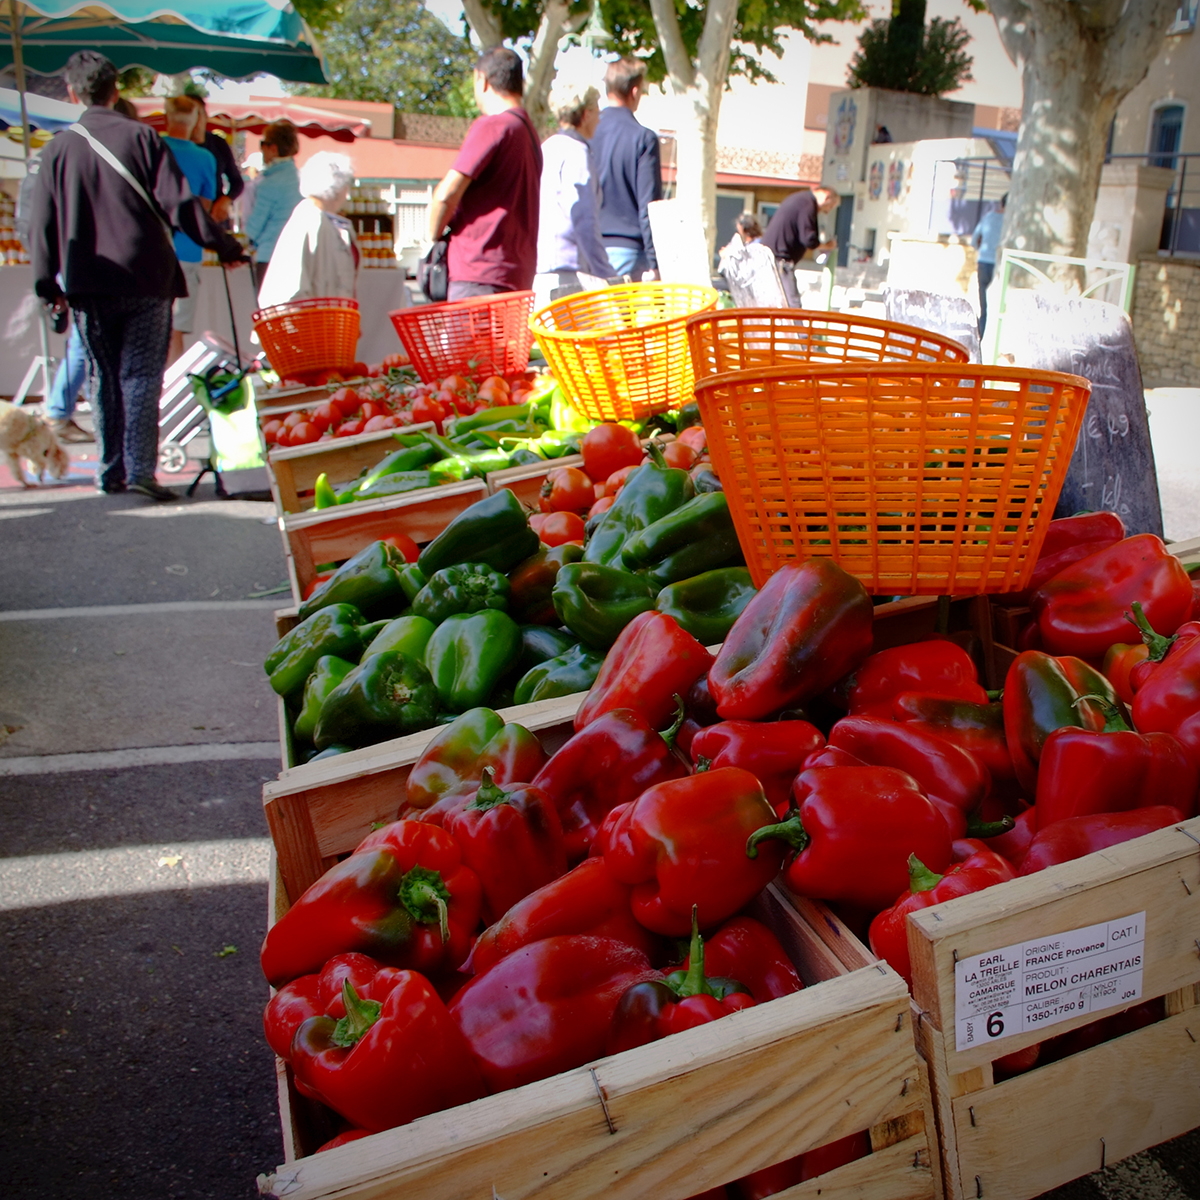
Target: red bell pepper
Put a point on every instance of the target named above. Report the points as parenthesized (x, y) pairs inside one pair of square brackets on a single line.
[(1040, 696), (954, 780), (1120, 659), (772, 751), (454, 761), (616, 758), (746, 950), (778, 1178), (1067, 541), (512, 840), (396, 1055), (937, 667), (976, 728), (682, 843), (404, 897), (809, 625), (656, 1008), (343, 1139), (853, 831), (1169, 701), (547, 1007), (586, 900), (288, 1009), (1083, 772), (651, 664), (1074, 837), (888, 934), (836, 1154), (1158, 647), (1081, 611), (1014, 844)]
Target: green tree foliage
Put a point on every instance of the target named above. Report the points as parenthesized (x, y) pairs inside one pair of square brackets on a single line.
[(906, 55), (395, 52)]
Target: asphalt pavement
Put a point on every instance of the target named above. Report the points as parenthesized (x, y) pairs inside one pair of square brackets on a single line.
[(136, 731)]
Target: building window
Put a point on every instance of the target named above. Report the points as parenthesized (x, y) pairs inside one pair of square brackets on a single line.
[(1166, 132), (1185, 18)]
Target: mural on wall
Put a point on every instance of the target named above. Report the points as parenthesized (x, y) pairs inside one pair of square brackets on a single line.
[(897, 177), (875, 182), (844, 122)]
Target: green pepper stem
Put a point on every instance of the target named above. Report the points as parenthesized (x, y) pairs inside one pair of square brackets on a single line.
[(654, 449), (694, 983), (425, 896), (670, 734), (790, 831), (920, 877), (994, 694), (490, 794), (702, 764), (1114, 719), (988, 829), (1158, 643), (360, 1016)]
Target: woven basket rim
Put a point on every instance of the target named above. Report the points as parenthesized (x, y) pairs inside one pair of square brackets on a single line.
[(707, 294)]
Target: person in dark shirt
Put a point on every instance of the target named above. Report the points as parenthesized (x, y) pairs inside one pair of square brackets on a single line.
[(793, 231), (230, 183), (490, 196), (106, 199), (627, 159)]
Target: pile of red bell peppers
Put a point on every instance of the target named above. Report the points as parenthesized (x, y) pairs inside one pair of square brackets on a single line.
[(530, 912)]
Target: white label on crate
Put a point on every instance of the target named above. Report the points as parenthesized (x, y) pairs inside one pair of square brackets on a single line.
[(1033, 985)]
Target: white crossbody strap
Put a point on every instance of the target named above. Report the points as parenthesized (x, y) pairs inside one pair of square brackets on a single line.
[(117, 165)]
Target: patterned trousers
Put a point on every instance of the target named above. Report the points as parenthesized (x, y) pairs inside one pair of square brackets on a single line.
[(126, 339)]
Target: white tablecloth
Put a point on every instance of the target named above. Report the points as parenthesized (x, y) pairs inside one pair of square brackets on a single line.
[(19, 309)]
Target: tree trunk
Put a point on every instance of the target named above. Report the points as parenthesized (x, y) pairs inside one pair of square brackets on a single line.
[(543, 56), (484, 24), (1078, 60)]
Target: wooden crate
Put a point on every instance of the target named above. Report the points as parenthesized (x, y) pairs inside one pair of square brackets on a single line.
[(294, 469), (1021, 1137), (335, 534)]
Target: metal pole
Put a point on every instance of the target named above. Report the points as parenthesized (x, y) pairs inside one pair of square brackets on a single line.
[(19, 70), (1178, 208)]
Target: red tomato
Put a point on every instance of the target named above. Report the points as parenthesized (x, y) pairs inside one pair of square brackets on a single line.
[(294, 418), (566, 489), (316, 583), (601, 506), (676, 454), (426, 408), (372, 408), (304, 433), (375, 424), (399, 359), (346, 398), (405, 545), (359, 369), (325, 415), (292, 382), (270, 431), (351, 427), (616, 481), (695, 437), (608, 448), (328, 375), (560, 527), (537, 520), (456, 383)]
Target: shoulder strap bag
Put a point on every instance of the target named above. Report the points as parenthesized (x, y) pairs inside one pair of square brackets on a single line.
[(121, 169)]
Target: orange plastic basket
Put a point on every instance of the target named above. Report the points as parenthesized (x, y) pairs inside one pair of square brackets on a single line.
[(486, 335), (917, 478), (308, 335), (737, 339), (621, 354)]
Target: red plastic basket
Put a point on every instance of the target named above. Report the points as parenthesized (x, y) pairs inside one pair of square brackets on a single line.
[(308, 335), (486, 335)]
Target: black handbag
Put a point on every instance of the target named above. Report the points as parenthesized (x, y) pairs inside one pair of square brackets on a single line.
[(433, 272)]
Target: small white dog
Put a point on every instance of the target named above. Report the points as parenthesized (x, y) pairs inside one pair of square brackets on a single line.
[(24, 435)]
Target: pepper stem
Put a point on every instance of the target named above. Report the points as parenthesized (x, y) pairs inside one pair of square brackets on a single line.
[(702, 764), (790, 831), (670, 734), (988, 829), (1158, 643), (360, 1016), (1114, 719), (694, 982), (920, 877), (654, 449), (490, 794), (425, 896)]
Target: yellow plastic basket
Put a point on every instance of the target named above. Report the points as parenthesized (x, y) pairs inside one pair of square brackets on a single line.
[(738, 339), (621, 354), (917, 478)]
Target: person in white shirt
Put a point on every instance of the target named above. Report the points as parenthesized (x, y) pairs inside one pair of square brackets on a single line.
[(316, 254)]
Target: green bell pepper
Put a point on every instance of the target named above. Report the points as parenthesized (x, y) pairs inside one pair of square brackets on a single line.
[(595, 602), (468, 466), (412, 580), (327, 674), (705, 479), (707, 605), (329, 752), (573, 671), (395, 484), (487, 418), (333, 630), (688, 416), (651, 492), (523, 456), (387, 695), (698, 536), (494, 530), (539, 643), (409, 634), (466, 588), (323, 494), (370, 581), (469, 654), (407, 458)]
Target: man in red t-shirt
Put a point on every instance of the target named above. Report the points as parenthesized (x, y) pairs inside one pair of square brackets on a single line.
[(490, 197)]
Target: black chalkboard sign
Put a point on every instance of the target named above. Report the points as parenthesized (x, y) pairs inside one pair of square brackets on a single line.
[(1112, 467), (951, 316)]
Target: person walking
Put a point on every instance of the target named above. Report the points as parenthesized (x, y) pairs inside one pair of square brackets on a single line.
[(489, 197), (986, 240), (630, 172), (230, 184), (276, 194), (793, 231), (569, 214), (200, 170), (107, 195)]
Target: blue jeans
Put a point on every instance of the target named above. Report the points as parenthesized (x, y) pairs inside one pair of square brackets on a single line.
[(69, 379), (628, 260), (986, 272)]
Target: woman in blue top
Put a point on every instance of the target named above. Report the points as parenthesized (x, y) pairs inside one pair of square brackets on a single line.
[(276, 194)]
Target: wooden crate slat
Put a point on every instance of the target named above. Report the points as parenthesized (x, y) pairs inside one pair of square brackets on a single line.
[(895, 1173)]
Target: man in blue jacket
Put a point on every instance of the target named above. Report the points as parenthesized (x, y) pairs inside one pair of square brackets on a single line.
[(627, 158)]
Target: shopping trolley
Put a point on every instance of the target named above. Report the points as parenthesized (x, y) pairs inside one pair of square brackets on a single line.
[(181, 416)]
